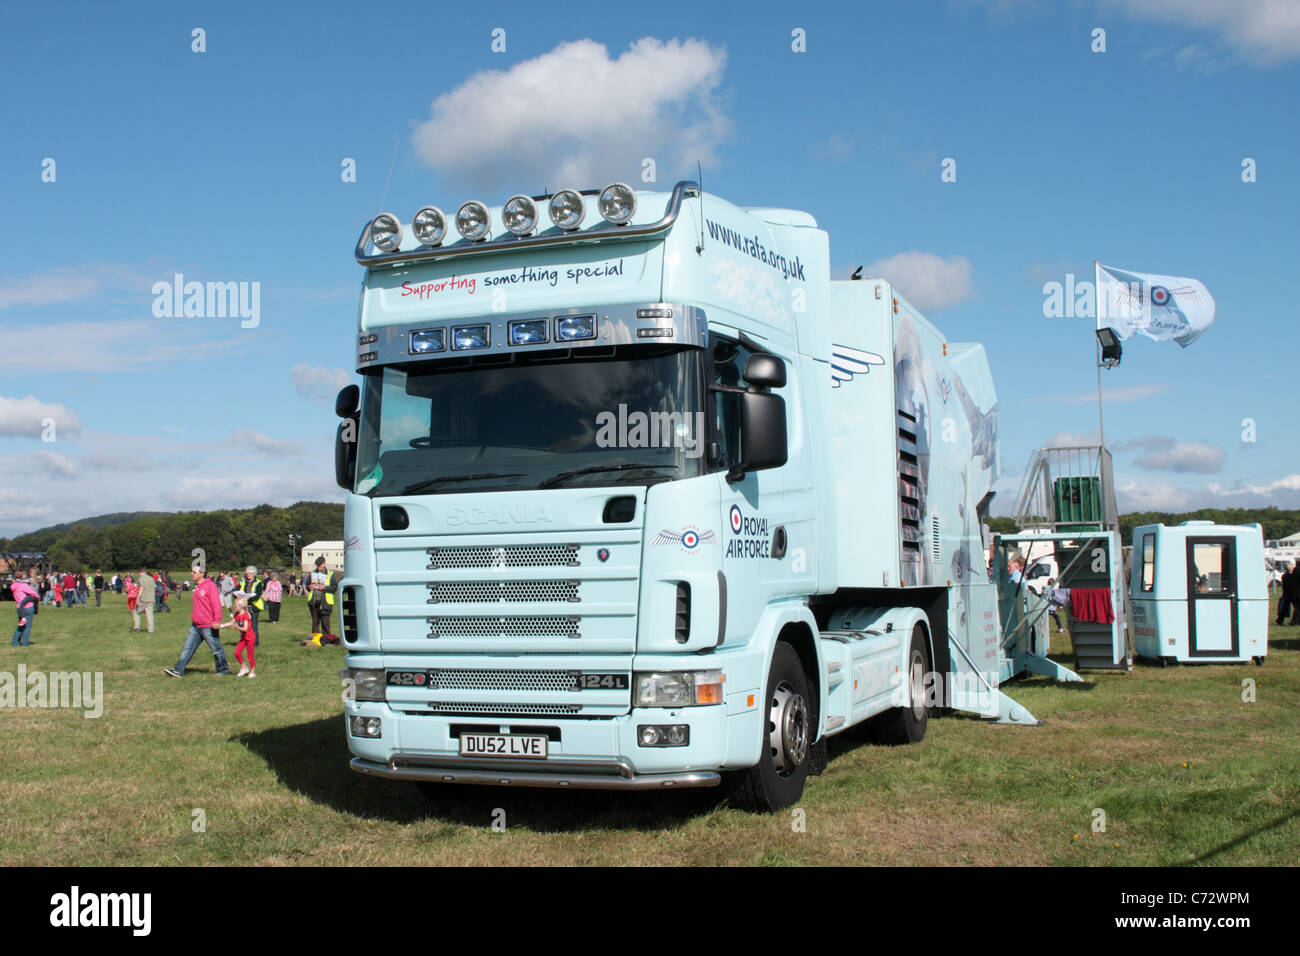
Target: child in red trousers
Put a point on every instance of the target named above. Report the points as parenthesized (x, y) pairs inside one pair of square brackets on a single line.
[(243, 622)]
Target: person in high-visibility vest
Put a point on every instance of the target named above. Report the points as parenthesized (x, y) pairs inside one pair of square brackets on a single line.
[(251, 588), (321, 601)]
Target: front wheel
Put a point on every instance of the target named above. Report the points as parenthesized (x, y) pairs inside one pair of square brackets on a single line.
[(777, 780)]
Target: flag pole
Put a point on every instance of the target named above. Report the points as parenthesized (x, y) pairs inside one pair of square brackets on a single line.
[(1096, 274)]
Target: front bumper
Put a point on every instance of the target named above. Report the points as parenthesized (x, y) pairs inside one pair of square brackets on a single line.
[(560, 774)]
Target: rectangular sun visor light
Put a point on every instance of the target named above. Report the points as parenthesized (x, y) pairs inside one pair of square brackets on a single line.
[(470, 337), (428, 340), (530, 331), (574, 328)]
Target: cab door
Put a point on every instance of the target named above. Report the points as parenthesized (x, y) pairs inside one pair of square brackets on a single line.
[(1211, 597), (753, 510)]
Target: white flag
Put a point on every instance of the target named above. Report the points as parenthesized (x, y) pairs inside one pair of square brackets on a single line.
[(1160, 307)]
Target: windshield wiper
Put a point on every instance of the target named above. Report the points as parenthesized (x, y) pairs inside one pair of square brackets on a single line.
[(591, 469), (430, 482)]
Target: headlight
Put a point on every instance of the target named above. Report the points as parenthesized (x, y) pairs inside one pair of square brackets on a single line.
[(386, 232), (472, 220), (568, 209), (428, 340), (429, 225), (528, 332), (366, 727), (519, 215), (470, 337), (574, 328), (678, 689), (367, 683), (617, 203)]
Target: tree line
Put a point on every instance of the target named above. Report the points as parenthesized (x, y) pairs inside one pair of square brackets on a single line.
[(230, 539), (1276, 522)]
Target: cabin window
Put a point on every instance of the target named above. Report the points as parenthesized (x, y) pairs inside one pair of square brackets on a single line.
[(1211, 574), (1148, 563)]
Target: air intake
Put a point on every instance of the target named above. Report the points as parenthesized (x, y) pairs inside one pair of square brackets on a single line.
[(348, 612), (682, 620)]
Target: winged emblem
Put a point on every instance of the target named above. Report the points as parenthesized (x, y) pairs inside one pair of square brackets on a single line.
[(847, 362)]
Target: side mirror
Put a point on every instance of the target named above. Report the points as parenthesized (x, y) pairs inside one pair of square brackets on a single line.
[(347, 402), (763, 370), (345, 452), (763, 442)]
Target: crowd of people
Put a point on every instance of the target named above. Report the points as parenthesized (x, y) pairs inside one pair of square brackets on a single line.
[(251, 598)]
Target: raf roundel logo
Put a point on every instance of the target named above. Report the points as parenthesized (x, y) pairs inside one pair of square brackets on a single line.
[(736, 520), (603, 554), (690, 540), (1159, 295)]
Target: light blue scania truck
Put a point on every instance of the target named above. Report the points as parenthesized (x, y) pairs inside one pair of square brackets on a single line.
[(639, 498)]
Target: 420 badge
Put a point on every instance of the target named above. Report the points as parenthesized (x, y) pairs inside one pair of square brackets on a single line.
[(749, 537)]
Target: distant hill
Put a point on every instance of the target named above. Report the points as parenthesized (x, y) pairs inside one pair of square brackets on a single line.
[(99, 521)]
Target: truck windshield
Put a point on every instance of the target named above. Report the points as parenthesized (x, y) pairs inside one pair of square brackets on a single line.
[(631, 416)]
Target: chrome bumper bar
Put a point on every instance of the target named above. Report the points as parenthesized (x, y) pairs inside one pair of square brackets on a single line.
[(562, 774)]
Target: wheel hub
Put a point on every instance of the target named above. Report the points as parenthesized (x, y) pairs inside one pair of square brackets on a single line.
[(787, 729)]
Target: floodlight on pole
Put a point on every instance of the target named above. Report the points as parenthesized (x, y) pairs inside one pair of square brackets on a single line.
[(1111, 349)]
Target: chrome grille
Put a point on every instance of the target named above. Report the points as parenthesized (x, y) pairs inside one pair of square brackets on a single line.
[(531, 626), (508, 556), (468, 679), (465, 708), (495, 592)]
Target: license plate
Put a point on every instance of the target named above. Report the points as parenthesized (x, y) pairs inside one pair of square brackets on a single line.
[(527, 746)]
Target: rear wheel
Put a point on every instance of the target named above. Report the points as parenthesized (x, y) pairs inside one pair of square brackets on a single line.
[(777, 780), (906, 724)]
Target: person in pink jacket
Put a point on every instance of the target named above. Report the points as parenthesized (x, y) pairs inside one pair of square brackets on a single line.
[(205, 624), (26, 596)]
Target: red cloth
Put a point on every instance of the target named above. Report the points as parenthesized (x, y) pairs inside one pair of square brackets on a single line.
[(1092, 604)]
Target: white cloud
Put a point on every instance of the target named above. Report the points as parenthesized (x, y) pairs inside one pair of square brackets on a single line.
[(1290, 483), (1165, 454), (1125, 393), (927, 281), (1264, 31), (248, 490), (1071, 440), (248, 438), (318, 384), (1145, 496), (56, 465), (71, 284), (576, 117), (26, 417), (22, 507), (130, 343)]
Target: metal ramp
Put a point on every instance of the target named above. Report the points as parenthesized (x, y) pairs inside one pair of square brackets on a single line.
[(1066, 503)]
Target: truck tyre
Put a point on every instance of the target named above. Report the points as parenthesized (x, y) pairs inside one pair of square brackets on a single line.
[(777, 780), (906, 725)]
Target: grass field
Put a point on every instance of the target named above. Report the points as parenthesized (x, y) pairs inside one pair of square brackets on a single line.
[(1185, 771)]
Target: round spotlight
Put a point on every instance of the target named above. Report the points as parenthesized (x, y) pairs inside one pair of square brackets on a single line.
[(519, 215), (429, 225), (617, 203), (568, 209), (472, 220), (386, 232)]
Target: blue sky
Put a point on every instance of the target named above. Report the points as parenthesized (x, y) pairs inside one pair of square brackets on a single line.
[(225, 166)]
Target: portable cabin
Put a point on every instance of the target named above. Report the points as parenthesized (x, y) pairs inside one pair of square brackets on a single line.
[(1199, 594)]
